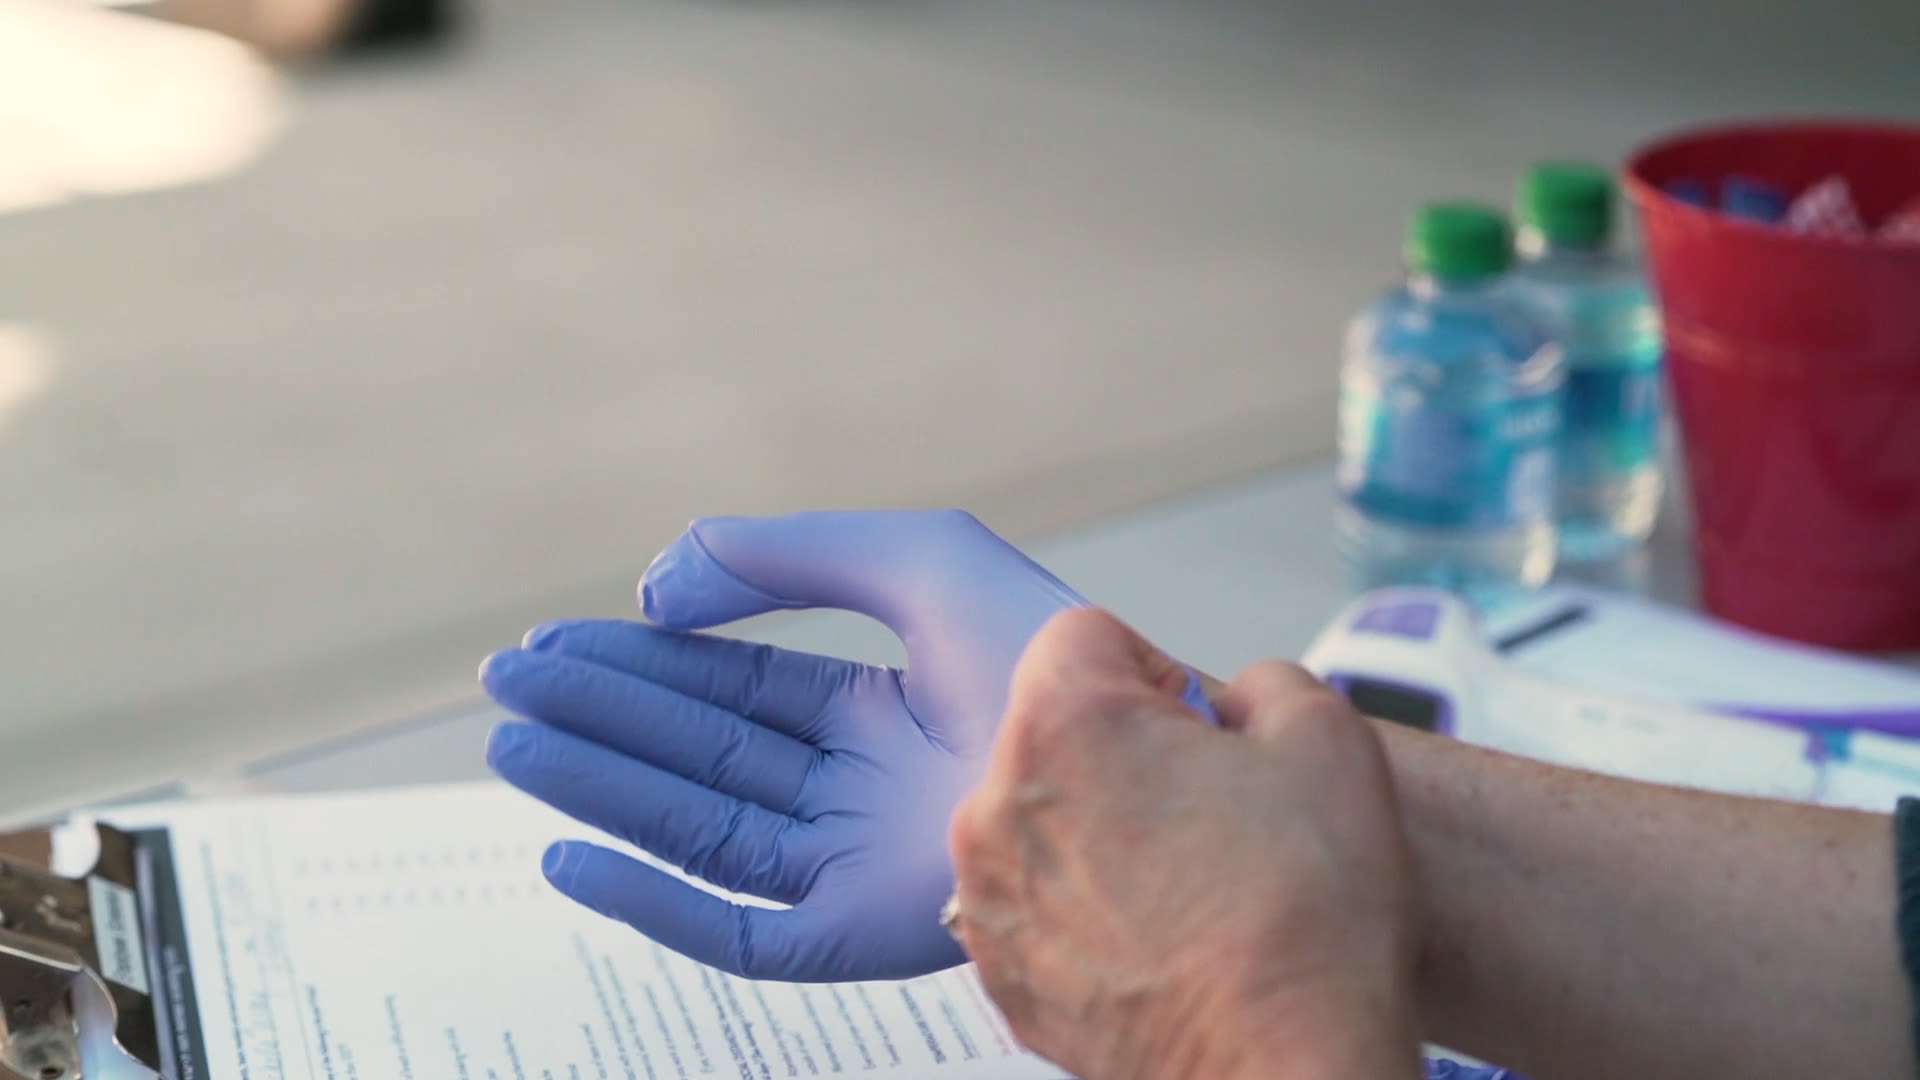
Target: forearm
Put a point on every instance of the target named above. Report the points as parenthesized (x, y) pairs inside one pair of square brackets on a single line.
[(1581, 926)]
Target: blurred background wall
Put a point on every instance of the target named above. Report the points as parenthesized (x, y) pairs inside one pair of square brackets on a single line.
[(451, 342)]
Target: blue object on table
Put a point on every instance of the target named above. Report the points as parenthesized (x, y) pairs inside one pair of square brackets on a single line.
[(1445, 1069), (1752, 200), (1450, 411), (798, 779)]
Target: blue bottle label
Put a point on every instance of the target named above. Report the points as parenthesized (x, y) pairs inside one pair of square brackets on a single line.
[(1612, 423), (1476, 465)]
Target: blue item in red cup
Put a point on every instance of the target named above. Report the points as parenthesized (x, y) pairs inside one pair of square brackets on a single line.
[(1691, 192), (1752, 200)]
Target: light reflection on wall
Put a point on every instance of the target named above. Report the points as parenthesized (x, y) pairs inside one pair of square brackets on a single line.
[(26, 367), (95, 102)]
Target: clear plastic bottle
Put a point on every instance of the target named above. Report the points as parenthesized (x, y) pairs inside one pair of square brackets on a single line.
[(1595, 303), (1450, 412)]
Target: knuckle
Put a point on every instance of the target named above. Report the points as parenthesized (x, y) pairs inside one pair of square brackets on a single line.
[(1310, 714), (1041, 730), (975, 836), (565, 681), (965, 835), (731, 752), (741, 941), (1079, 624), (713, 855), (1326, 703), (1277, 678), (542, 756), (999, 970), (780, 861), (1022, 1018), (1055, 643), (751, 690)]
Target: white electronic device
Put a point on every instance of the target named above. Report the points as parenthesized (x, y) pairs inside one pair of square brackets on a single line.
[(1420, 657)]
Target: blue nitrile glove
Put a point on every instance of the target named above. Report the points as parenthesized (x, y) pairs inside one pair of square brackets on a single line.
[(1448, 1069), (800, 779)]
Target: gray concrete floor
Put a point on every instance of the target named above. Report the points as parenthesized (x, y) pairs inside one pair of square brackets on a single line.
[(478, 333)]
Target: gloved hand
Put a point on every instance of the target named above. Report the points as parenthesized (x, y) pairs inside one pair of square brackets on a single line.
[(808, 781), (1448, 1069)]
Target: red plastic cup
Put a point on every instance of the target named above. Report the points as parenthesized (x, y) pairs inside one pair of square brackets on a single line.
[(1793, 363)]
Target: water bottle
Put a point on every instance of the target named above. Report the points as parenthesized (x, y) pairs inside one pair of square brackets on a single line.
[(1595, 303), (1450, 412)]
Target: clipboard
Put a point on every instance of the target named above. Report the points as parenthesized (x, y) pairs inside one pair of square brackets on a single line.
[(92, 970)]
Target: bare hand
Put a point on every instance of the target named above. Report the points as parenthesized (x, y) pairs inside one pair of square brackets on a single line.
[(1149, 897)]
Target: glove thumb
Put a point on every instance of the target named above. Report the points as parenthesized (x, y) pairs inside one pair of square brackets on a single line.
[(888, 565)]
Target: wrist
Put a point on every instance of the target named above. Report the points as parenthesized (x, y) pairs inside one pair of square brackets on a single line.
[(1352, 1032), (1426, 770)]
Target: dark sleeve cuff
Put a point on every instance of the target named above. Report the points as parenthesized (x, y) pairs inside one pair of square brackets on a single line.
[(1906, 823)]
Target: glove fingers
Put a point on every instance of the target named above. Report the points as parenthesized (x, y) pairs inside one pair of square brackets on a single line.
[(753, 943), (711, 746), (786, 691), (733, 844)]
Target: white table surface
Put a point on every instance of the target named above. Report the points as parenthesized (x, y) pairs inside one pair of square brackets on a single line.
[(1221, 579)]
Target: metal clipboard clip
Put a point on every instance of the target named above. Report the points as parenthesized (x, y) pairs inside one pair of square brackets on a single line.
[(75, 989)]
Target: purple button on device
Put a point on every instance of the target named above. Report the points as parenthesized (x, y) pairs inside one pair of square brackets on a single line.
[(1414, 619)]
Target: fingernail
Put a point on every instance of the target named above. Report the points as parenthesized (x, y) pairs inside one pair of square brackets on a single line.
[(504, 743), (686, 587), (554, 864), (499, 666)]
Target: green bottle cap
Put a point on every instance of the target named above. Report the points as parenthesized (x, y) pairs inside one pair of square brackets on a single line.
[(1570, 204), (1459, 242)]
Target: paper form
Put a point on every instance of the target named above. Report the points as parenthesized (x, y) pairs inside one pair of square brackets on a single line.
[(408, 935)]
